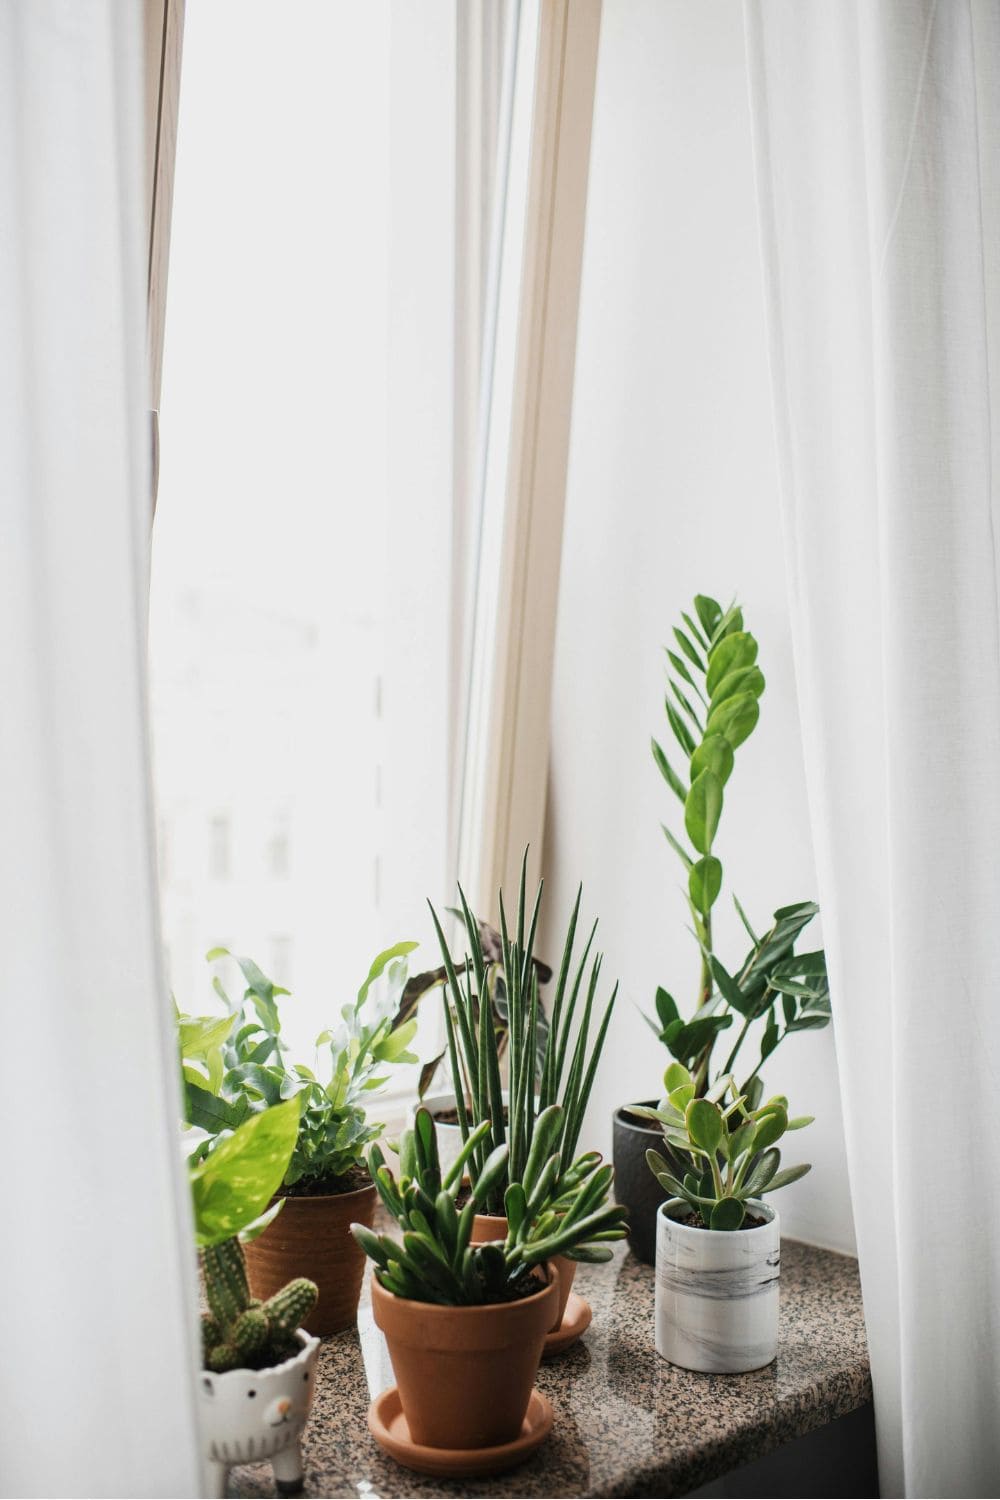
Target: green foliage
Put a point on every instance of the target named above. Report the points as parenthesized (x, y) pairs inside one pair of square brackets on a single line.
[(236, 1067), (551, 1210), (728, 1150), (712, 707), (561, 1072), (233, 1186), (230, 1192)]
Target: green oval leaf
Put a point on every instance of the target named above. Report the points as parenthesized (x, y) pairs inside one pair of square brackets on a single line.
[(703, 809), (715, 753), (676, 1075), (736, 718), (770, 1128), (709, 612), (705, 1124), (705, 882), (727, 1214), (742, 680), (237, 1181), (738, 649)]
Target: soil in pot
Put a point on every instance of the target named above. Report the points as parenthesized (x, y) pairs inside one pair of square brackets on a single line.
[(465, 1374), (450, 1116), (635, 1186), (311, 1237), (695, 1221)]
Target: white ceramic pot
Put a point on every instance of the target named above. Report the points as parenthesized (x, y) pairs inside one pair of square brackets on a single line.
[(249, 1415), (717, 1292)]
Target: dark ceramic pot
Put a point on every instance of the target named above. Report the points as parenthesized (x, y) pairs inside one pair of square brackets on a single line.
[(635, 1186)]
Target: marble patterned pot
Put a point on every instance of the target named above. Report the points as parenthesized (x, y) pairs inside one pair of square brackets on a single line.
[(717, 1292), (635, 1186), (249, 1415)]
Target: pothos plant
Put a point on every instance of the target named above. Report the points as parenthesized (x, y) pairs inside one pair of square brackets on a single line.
[(237, 1065), (712, 706)]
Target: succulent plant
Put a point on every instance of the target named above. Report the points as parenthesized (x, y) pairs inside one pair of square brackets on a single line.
[(240, 1331), (561, 1072), (729, 1150), (551, 1211)]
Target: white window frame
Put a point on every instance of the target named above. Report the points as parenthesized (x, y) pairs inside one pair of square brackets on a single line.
[(524, 446)]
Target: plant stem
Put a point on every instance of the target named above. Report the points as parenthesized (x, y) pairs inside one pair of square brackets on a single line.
[(738, 1044)]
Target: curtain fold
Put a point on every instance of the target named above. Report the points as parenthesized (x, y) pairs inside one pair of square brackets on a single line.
[(97, 1293), (877, 147)]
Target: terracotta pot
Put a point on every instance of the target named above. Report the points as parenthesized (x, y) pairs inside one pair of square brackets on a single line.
[(486, 1227), (311, 1237), (465, 1374)]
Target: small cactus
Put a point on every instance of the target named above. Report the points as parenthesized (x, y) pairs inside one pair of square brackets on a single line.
[(240, 1331)]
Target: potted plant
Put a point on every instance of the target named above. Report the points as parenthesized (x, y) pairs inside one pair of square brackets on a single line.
[(718, 1245), (559, 1072), (259, 1370), (712, 707), (441, 1102), (465, 1323), (326, 1186)]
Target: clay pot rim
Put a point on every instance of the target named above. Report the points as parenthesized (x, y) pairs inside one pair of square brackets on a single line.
[(640, 1127), (309, 1342), (473, 1309), (762, 1209), (350, 1197)]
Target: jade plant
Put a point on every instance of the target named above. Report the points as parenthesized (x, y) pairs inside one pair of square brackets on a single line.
[(230, 1192), (237, 1066), (712, 707), (729, 1147), (562, 1072), (551, 1210)]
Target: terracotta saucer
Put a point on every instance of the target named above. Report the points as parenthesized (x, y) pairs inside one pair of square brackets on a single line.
[(576, 1320), (387, 1425)]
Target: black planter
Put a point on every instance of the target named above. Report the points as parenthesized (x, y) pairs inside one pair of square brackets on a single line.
[(635, 1186)]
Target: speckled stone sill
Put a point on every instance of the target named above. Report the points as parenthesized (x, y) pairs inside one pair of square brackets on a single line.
[(627, 1423)]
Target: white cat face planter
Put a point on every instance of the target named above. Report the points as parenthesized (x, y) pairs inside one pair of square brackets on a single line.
[(717, 1292), (249, 1415)]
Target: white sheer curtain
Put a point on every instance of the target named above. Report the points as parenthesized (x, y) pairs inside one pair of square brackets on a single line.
[(877, 152), (96, 1287)]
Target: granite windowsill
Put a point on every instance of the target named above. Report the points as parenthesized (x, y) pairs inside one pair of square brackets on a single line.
[(627, 1423)]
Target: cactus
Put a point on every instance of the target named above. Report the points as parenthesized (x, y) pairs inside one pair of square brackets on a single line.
[(240, 1331)]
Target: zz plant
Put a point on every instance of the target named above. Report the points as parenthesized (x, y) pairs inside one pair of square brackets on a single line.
[(237, 1066), (230, 1192), (728, 1147), (551, 1211), (561, 1072), (712, 706)]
